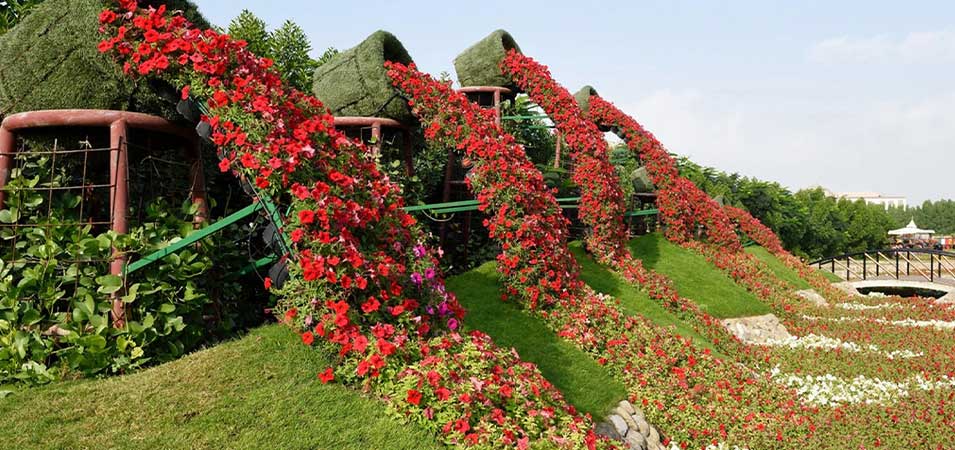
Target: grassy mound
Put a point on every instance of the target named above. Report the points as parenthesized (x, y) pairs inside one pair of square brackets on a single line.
[(696, 279), (51, 61), (257, 392), (479, 64), (584, 383), (355, 82)]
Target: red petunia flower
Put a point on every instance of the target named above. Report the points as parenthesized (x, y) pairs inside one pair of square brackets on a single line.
[(326, 376), (414, 397), (308, 338)]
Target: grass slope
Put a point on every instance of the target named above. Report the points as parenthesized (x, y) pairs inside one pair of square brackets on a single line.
[(632, 299), (584, 383), (696, 279), (779, 269), (256, 392)]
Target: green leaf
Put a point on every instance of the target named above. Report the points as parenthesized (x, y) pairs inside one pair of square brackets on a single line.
[(167, 308), (9, 215), (109, 283)]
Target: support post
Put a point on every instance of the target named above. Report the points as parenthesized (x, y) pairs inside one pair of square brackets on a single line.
[(7, 143), (931, 266), (376, 136), (557, 149), (896, 265), (119, 199), (197, 183), (865, 268), (497, 107), (409, 161)]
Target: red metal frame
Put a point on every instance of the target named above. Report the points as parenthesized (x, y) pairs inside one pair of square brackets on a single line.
[(119, 123), (376, 123)]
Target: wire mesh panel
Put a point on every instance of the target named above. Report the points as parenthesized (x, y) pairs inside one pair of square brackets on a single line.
[(57, 200)]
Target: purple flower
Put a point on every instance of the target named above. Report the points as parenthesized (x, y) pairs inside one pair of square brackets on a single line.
[(443, 309), (452, 324), (429, 273), (419, 251), (416, 278)]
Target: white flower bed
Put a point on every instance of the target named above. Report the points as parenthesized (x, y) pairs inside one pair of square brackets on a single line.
[(813, 341), (939, 324), (830, 390), (864, 307)]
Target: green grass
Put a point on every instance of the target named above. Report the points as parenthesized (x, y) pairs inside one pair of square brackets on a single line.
[(696, 279), (585, 384), (833, 278), (256, 392), (633, 300), (782, 271)]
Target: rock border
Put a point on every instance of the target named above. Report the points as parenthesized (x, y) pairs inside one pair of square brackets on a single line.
[(628, 424)]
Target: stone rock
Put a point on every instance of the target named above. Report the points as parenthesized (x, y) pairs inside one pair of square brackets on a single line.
[(757, 329), (643, 426), (635, 440), (654, 437), (814, 297), (607, 429), (626, 416), (619, 424), (627, 407)]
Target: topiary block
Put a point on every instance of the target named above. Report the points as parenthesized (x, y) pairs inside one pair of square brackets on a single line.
[(480, 64), (355, 82), (583, 98), (50, 61)]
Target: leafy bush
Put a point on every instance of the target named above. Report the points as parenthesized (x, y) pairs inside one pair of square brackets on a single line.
[(56, 291)]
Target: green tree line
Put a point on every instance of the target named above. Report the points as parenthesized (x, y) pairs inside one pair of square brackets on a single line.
[(810, 223)]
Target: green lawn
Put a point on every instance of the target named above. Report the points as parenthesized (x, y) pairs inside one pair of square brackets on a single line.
[(696, 279), (633, 300), (584, 383), (781, 270), (256, 392)]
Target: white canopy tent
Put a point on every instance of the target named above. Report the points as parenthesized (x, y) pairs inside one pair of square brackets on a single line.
[(912, 230)]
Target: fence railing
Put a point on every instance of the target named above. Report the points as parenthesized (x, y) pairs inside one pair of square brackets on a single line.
[(893, 263)]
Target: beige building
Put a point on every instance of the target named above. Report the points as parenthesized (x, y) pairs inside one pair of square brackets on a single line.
[(872, 198)]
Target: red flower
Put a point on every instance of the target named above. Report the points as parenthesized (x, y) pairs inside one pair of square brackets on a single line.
[(306, 217), (268, 282), (326, 376), (414, 397), (371, 305), (308, 338)]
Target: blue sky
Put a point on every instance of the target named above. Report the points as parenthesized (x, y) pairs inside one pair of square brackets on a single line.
[(851, 95)]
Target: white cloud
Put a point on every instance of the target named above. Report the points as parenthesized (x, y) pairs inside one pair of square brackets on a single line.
[(899, 147), (916, 48)]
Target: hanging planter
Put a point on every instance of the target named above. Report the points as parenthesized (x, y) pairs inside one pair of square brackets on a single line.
[(480, 64), (355, 82)]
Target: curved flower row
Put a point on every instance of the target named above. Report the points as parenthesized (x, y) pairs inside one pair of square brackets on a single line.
[(598, 181), (602, 205), (659, 367), (524, 215), (362, 278), (683, 207)]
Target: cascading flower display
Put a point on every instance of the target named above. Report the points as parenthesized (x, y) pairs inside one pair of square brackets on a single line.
[(684, 208), (602, 204), (362, 277), (524, 215)]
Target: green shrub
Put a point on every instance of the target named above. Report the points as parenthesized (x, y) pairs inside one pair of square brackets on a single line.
[(56, 290)]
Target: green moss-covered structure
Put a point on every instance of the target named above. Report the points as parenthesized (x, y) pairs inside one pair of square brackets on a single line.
[(50, 61), (355, 82), (479, 65), (583, 98)]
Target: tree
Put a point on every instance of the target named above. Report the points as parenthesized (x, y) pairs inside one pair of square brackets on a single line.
[(13, 11), (251, 29), (290, 48)]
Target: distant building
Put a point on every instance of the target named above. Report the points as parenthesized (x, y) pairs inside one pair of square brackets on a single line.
[(872, 198)]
